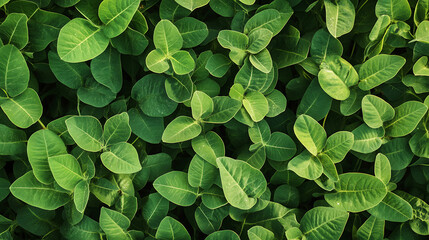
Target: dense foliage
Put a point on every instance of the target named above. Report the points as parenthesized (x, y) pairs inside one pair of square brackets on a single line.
[(214, 119)]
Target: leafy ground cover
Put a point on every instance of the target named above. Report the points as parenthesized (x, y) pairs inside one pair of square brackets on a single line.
[(214, 119)]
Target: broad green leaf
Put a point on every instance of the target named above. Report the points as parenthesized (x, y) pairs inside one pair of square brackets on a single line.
[(420, 11), (378, 70), (379, 28), (276, 103), (114, 224), (210, 220), (262, 61), (149, 129), (306, 166), (201, 173), (353, 103), (127, 204), (179, 88), (81, 195), (290, 49), (80, 41), (336, 75), (392, 208), (242, 184), (233, 40), (259, 40), (130, 42), (29, 190), (420, 67), (72, 75), (398, 152), (182, 62), (42, 145), (338, 145), (23, 110), (150, 92), (419, 143), (14, 73), (116, 15), (117, 129), (4, 189), (224, 110), (323, 222), (324, 45), (310, 134), (34, 220), (14, 30), (270, 19), (209, 147), (421, 32), (154, 209), (213, 197), (256, 105), (372, 228), (157, 62), (192, 4), (223, 234), (329, 168), (366, 139), (315, 102), (253, 79), (376, 111), (175, 188), (121, 158), (193, 31), (181, 129), (170, 229), (85, 229), (280, 147), (105, 191), (86, 131), (258, 232), (12, 141), (106, 69), (340, 17), (66, 170), (396, 9), (407, 116), (270, 212), (167, 38), (356, 192), (382, 168), (95, 94), (218, 65)]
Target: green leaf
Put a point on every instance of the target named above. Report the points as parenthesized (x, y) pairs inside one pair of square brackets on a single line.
[(336, 75), (329, 168), (256, 105), (262, 61), (201, 173), (157, 62), (121, 158), (398, 152), (154, 209), (66, 170), (106, 69), (175, 188), (4, 189), (272, 211), (392, 208), (213, 197), (80, 41), (209, 147), (14, 73), (306, 166), (340, 17), (382, 168), (310, 134), (114, 224), (270, 19), (167, 37), (367, 139), (407, 116), (259, 40), (12, 141), (242, 184), (258, 232), (323, 222), (117, 129), (419, 144), (150, 92), (276, 103), (338, 145), (396, 9), (324, 45), (42, 145), (179, 88), (37, 194), (378, 70), (72, 75), (223, 234), (209, 220), (182, 62), (95, 94), (233, 40), (253, 79), (218, 65), (421, 31), (315, 102), (81, 195), (23, 110), (14, 30), (356, 192), (85, 229), (376, 111), (116, 15), (170, 229), (280, 147), (149, 129), (181, 129), (86, 131), (193, 31), (372, 228), (224, 110), (420, 67)]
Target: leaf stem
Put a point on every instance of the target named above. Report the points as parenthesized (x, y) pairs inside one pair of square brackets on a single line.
[(41, 124), (242, 227), (135, 140), (78, 106), (324, 120)]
